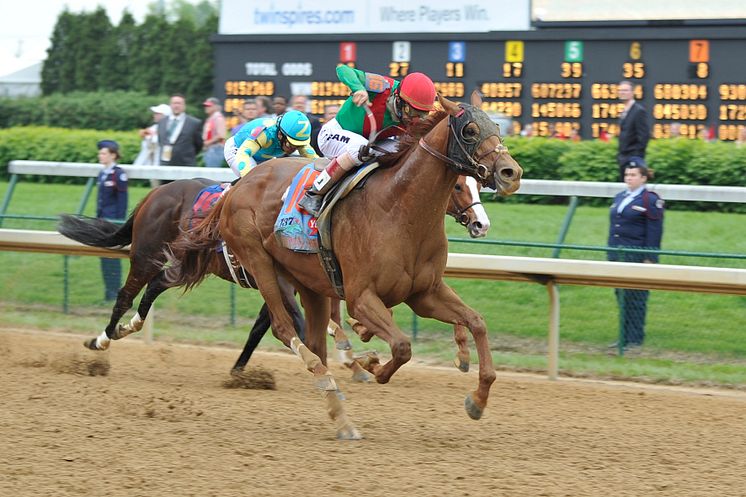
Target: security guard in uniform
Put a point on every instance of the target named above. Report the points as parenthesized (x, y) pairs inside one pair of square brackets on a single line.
[(636, 221), (112, 205)]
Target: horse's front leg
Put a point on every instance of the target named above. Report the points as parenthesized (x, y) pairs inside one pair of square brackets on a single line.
[(442, 303)]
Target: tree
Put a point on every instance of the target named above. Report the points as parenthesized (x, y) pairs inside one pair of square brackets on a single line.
[(202, 60), (157, 57), (90, 41), (118, 55), (58, 68)]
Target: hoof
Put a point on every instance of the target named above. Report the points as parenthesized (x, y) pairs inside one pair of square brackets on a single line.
[(326, 383), (349, 433), (91, 344), (367, 359), (462, 366), (344, 345), (473, 410), (362, 376)]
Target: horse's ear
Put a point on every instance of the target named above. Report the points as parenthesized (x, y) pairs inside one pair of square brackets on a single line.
[(476, 99), (449, 106)]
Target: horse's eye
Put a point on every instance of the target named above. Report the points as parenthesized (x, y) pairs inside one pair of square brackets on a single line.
[(458, 187), (470, 131)]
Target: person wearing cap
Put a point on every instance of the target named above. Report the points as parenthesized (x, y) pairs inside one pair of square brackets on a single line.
[(343, 138), (635, 221), (213, 133), (111, 204), (149, 150), (179, 136), (266, 138)]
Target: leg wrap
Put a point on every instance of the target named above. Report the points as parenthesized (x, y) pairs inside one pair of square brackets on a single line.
[(102, 341)]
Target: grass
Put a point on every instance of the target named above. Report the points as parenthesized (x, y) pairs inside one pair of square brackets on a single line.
[(692, 338)]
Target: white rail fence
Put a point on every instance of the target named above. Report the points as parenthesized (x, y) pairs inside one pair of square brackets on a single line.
[(549, 272)]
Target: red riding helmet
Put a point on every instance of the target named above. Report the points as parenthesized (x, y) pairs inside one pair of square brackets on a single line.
[(418, 91)]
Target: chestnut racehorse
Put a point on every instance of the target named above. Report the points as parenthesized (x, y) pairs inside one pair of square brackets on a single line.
[(389, 240)]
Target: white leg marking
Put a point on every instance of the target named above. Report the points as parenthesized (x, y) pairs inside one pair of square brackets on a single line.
[(102, 341), (136, 322)]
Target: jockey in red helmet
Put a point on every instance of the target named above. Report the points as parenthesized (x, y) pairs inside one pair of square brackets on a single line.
[(392, 102)]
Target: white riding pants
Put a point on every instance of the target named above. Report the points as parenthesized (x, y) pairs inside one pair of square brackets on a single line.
[(334, 141)]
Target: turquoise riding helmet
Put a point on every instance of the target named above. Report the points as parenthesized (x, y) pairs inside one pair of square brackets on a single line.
[(296, 127)]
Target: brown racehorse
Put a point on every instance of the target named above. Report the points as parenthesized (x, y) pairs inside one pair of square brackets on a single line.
[(389, 240), (158, 220)]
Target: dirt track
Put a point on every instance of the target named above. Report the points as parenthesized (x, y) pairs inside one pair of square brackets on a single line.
[(160, 423)]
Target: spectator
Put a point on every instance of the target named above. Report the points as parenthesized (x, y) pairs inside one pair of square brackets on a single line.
[(528, 131), (575, 135), (279, 105), (213, 133), (150, 152), (112, 205), (263, 104), (180, 136), (634, 129), (675, 130), (248, 113), (636, 221), (300, 103), (330, 112)]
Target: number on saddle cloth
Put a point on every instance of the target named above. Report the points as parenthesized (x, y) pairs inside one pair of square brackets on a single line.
[(294, 229)]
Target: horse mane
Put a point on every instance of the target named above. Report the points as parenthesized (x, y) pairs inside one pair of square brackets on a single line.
[(409, 140)]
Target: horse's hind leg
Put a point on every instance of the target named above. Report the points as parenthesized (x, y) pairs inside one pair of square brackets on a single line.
[(462, 356), (344, 351), (115, 330), (317, 315), (125, 297), (377, 319)]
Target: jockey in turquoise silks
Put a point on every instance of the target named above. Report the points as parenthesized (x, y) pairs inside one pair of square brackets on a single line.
[(265, 138), (392, 103)]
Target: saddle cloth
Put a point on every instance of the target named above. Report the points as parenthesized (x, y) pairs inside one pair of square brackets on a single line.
[(295, 229), (205, 200)]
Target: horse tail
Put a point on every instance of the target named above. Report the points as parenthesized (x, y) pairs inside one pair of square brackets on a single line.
[(188, 257), (96, 232)]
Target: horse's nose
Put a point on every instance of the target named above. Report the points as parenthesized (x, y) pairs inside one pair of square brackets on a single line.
[(478, 230), (509, 175)]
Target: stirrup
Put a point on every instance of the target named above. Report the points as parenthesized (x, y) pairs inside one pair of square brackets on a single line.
[(311, 203)]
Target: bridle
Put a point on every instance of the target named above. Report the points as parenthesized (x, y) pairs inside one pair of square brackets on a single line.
[(464, 161), (460, 213)]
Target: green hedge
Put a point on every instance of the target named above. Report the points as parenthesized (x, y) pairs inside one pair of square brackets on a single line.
[(61, 145), (119, 110), (677, 161)]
